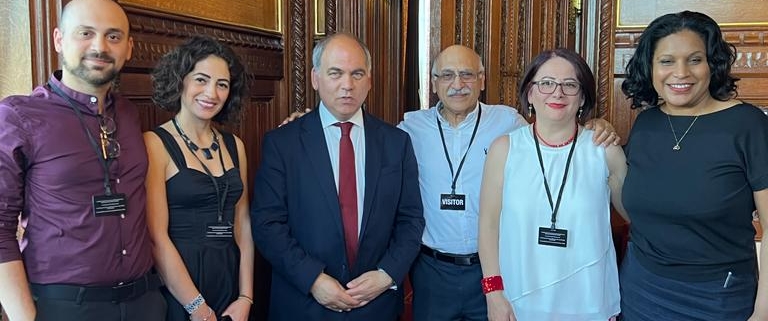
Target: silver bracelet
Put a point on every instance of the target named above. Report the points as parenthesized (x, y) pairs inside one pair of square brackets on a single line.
[(196, 303)]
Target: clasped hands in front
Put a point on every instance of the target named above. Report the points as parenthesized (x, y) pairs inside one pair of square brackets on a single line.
[(331, 294)]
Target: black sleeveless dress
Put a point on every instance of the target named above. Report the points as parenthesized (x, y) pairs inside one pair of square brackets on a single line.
[(212, 262)]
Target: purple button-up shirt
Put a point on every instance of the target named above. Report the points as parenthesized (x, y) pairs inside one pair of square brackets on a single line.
[(49, 172)]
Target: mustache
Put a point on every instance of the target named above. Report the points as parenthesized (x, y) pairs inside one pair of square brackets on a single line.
[(100, 56), (462, 91)]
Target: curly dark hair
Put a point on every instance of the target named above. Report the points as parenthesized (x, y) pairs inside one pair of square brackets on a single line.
[(168, 76), (638, 85), (583, 74)]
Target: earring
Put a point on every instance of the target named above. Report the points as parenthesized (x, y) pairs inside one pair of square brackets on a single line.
[(581, 110), (530, 110)]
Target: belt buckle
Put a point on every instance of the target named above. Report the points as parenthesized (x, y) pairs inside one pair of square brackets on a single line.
[(462, 260), (123, 292)]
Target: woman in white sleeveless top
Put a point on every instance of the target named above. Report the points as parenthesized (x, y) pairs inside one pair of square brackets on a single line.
[(545, 233)]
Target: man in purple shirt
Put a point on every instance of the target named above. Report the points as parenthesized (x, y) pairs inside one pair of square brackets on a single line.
[(72, 163)]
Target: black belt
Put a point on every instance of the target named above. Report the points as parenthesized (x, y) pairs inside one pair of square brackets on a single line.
[(119, 293), (458, 259)]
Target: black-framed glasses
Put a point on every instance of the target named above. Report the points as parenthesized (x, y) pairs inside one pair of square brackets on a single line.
[(464, 76), (110, 147), (570, 88)]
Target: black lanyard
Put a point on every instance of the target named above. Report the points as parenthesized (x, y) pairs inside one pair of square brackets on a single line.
[(445, 148), (565, 174), (104, 162), (221, 198)]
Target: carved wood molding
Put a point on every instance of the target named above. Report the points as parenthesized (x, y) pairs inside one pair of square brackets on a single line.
[(605, 50), (298, 51), (156, 33), (330, 17), (751, 50), (480, 27), (459, 21)]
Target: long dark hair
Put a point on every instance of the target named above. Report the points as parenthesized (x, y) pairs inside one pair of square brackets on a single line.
[(638, 85)]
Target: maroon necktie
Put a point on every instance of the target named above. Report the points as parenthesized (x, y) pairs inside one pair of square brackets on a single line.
[(348, 191)]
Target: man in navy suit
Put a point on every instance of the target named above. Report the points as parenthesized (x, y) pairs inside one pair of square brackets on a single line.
[(297, 210)]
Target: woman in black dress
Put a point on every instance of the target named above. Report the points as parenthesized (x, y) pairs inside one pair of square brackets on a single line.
[(197, 208)]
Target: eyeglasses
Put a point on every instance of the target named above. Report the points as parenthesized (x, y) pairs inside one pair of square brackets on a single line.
[(450, 76), (110, 147), (570, 88)]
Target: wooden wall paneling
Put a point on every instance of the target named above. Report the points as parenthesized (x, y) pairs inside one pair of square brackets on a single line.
[(386, 98), (449, 17), (44, 17), (494, 62)]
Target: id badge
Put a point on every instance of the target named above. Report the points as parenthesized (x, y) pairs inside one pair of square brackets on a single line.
[(109, 205), (553, 236), (455, 202), (219, 230)]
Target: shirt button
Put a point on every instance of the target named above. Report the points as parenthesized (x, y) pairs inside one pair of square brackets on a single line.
[(122, 216), (93, 100), (125, 252)]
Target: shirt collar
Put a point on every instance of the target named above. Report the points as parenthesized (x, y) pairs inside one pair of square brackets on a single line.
[(327, 119), (469, 118), (86, 100)]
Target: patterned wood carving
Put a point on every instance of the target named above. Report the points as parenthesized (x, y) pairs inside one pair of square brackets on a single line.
[(604, 79), (157, 33), (330, 17), (479, 26), (459, 21), (299, 53)]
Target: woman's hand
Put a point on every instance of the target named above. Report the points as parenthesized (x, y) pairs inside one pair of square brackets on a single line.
[(499, 308), (238, 310), (203, 313)]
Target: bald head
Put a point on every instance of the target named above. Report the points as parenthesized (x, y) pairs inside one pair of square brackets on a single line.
[(319, 50), (75, 11), (457, 54)]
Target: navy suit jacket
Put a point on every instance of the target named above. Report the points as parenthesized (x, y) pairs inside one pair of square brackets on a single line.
[(296, 217)]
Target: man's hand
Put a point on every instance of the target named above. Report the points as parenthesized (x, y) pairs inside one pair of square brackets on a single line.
[(369, 286), (330, 294), (605, 134), (294, 115)]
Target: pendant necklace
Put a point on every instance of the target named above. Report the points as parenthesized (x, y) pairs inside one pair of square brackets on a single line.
[(192, 146), (677, 141)]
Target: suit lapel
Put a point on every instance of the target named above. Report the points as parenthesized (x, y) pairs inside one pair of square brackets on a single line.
[(316, 150), (373, 144)]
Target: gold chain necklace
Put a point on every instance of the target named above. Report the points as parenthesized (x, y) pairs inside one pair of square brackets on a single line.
[(677, 141)]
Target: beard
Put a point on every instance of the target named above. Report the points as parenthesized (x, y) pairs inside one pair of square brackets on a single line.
[(96, 76)]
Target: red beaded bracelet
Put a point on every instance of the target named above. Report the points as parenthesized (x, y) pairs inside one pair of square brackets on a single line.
[(492, 283)]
